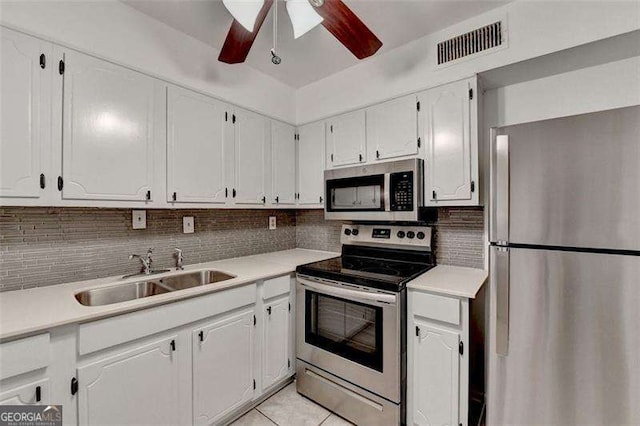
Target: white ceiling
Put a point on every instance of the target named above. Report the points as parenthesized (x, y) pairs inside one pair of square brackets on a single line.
[(317, 54)]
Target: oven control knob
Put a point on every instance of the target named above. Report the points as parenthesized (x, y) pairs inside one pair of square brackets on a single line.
[(420, 235), (400, 234), (411, 234), (347, 231), (354, 232)]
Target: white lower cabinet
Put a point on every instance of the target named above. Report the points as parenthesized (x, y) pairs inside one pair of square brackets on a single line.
[(438, 366), (138, 386), (436, 375), (34, 392), (223, 377), (276, 361)]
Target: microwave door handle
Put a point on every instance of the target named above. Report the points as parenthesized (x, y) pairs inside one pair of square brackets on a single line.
[(354, 295), (387, 192)]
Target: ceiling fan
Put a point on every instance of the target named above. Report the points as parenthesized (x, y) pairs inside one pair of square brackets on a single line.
[(334, 15)]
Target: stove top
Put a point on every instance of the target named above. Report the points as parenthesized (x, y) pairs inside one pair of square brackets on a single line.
[(380, 256), (386, 274)]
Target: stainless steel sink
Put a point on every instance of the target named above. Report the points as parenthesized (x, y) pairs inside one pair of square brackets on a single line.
[(195, 279), (139, 290), (121, 293)]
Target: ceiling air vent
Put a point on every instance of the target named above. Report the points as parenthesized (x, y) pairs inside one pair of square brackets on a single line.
[(473, 42)]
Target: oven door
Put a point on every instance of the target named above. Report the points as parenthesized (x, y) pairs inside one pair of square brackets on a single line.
[(351, 332)]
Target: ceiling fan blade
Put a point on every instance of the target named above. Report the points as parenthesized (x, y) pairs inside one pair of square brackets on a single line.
[(239, 41), (348, 28)]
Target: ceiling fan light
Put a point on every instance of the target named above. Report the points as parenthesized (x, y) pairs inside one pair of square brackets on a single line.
[(303, 17), (244, 11)]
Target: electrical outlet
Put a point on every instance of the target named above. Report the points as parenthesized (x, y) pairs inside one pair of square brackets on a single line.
[(139, 219), (187, 225), (272, 222)]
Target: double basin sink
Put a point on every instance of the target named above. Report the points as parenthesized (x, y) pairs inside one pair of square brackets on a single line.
[(149, 287)]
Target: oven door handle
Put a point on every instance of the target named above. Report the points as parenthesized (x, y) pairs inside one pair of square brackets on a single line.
[(346, 293)]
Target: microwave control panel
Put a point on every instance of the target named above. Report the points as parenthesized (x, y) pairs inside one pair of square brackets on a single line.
[(401, 191)]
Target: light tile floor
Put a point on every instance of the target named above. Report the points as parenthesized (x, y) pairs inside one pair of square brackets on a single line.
[(289, 408)]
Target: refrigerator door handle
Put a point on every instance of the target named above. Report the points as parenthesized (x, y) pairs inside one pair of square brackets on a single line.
[(500, 281), (499, 188)]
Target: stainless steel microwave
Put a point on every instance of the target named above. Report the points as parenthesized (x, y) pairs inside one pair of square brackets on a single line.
[(391, 191)]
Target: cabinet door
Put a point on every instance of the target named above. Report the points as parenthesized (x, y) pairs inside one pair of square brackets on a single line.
[(448, 135), (346, 139), (196, 167), (37, 392), (251, 133), (222, 366), (275, 355), (110, 121), (25, 104), (283, 163), (436, 371), (139, 386), (392, 129), (311, 143)]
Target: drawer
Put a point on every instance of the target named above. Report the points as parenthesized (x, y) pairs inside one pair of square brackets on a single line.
[(24, 355), (276, 287), (432, 306)]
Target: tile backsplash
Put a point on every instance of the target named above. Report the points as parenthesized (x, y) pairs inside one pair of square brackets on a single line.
[(459, 234), (46, 246)]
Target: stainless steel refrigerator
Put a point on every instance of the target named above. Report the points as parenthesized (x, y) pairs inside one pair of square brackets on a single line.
[(565, 271)]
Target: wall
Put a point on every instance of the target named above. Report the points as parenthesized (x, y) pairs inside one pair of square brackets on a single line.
[(607, 86), (114, 31), (533, 29), (46, 246), (459, 235)]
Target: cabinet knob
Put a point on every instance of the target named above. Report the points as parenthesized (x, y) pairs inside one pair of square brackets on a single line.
[(269, 310), (38, 393)]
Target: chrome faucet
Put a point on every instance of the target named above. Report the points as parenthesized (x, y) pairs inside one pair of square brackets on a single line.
[(145, 260), (179, 259)]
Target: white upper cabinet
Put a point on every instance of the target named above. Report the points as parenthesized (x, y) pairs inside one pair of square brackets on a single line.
[(311, 143), (283, 163), (392, 129), (346, 139), (196, 166), (252, 132), (110, 122), (449, 122), (25, 80)]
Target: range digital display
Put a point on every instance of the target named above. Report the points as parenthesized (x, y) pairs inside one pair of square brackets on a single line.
[(381, 233)]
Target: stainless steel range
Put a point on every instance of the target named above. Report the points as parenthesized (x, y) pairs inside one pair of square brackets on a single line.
[(351, 322)]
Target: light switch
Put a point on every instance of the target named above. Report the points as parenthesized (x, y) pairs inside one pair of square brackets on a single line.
[(187, 225), (272, 222), (139, 219)]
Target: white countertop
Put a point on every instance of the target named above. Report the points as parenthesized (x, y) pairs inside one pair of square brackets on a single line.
[(29, 311), (451, 281), (24, 312)]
